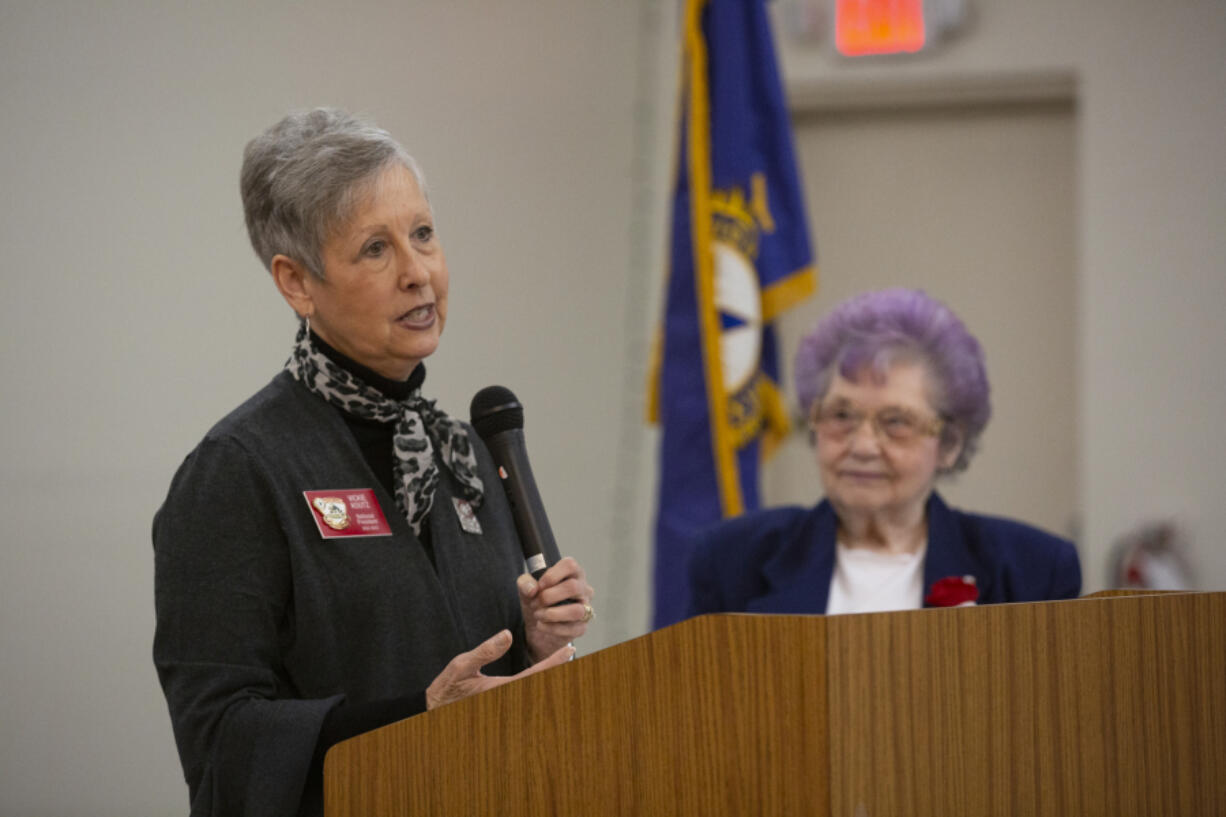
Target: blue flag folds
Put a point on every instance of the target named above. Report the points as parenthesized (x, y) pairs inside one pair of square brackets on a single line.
[(740, 256)]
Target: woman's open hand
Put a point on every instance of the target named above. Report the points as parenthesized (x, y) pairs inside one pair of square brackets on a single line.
[(462, 675)]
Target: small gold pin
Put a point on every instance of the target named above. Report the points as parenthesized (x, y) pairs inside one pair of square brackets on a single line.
[(335, 514)]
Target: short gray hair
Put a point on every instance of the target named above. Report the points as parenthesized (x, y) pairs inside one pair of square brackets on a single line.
[(302, 177)]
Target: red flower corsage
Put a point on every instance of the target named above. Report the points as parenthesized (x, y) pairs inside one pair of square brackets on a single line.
[(953, 591)]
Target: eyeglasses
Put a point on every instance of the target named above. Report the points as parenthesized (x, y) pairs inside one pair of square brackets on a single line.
[(840, 420)]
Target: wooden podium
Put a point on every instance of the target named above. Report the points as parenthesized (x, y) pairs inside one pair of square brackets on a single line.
[(1109, 705)]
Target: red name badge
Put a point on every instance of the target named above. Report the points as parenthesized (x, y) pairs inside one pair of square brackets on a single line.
[(348, 512)]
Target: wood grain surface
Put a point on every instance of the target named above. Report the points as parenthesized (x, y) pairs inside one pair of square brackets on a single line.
[(1114, 705), (1111, 706), (717, 715)]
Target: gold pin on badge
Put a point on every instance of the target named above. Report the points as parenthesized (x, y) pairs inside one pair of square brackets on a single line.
[(335, 514)]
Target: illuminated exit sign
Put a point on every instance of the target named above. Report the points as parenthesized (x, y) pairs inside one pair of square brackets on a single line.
[(878, 27), (863, 27)]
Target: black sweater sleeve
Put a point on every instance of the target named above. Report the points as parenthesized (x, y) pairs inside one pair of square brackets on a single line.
[(349, 720)]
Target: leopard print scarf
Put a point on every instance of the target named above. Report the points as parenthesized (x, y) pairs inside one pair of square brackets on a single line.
[(420, 428)]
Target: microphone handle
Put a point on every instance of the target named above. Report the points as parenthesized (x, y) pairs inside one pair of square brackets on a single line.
[(531, 523), (535, 535)]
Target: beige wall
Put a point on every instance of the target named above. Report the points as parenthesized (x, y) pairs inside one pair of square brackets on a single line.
[(134, 315)]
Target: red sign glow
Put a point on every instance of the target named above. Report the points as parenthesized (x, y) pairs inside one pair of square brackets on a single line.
[(878, 26)]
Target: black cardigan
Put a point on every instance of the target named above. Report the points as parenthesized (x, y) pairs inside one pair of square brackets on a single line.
[(263, 626)]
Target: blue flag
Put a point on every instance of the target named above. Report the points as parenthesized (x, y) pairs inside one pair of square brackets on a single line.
[(740, 256)]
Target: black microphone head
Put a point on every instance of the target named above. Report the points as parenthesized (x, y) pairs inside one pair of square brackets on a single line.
[(495, 409)]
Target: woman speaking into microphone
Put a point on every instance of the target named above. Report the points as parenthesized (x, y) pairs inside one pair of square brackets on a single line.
[(337, 553)]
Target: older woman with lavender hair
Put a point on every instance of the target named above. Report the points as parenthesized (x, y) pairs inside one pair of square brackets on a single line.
[(896, 393)]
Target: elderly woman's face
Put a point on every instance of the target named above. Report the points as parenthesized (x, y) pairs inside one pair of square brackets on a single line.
[(881, 465), (383, 300)]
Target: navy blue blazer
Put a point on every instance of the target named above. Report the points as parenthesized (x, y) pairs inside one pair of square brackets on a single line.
[(780, 560)]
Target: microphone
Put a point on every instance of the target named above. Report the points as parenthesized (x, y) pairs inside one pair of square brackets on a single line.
[(499, 420)]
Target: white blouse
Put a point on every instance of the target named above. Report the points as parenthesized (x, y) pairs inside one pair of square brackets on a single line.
[(870, 581)]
